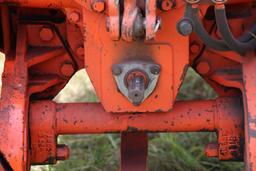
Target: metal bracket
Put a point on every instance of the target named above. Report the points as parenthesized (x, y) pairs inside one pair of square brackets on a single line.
[(150, 70)]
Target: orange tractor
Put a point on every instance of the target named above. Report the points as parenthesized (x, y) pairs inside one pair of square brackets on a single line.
[(136, 53)]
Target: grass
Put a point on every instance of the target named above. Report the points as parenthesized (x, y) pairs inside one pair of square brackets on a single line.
[(167, 151)]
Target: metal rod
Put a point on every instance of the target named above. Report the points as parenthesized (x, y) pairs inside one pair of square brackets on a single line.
[(91, 118)]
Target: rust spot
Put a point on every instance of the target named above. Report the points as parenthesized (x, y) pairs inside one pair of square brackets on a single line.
[(60, 108)]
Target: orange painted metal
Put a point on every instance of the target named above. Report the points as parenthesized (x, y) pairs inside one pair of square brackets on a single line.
[(13, 109), (249, 94), (47, 41), (173, 59), (223, 116), (25, 76)]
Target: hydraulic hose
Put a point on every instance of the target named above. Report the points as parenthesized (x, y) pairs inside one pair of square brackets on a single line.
[(233, 43), (247, 36), (204, 35)]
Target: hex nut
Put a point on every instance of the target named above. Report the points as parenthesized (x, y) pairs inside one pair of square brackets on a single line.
[(67, 69), (185, 27), (46, 34)]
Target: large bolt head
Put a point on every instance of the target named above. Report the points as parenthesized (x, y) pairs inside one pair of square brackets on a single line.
[(185, 27)]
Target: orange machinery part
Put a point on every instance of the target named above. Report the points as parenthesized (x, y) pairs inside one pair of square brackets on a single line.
[(31, 138), (48, 119)]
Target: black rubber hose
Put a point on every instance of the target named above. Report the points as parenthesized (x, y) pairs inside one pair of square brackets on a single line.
[(247, 36), (204, 35), (232, 42)]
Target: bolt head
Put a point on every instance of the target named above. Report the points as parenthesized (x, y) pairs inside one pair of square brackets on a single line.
[(116, 70), (98, 6), (67, 69), (46, 34), (185, 27), (74, 17), (155, 69), (166, 5), (203, 68)]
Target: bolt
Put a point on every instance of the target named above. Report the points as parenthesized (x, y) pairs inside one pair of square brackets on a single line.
[(116, 70), (46, 34), (80, 52), (165, 5), (185, 27), (203, 67), (62, 152), (67, 69), (194, 48), (74, 17), (212, 150), (155, 69), (98, 6)]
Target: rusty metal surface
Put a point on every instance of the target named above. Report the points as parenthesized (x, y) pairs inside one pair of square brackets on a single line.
[(249, 93), (47, 41), (13, 109), (220, 116)]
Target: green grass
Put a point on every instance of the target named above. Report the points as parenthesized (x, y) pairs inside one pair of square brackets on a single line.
[(167, 151)]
